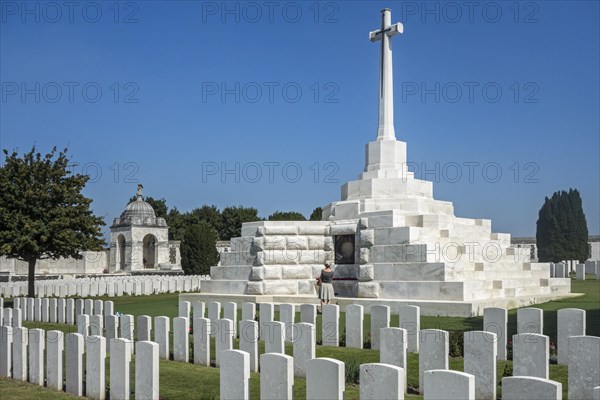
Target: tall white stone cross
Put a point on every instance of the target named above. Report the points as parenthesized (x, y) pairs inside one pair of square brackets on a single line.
[(386, 95)]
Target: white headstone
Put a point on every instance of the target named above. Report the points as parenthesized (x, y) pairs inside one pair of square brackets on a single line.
[(60, 311), (304, 347), (275, 337), (17, 320), (52, 311), (144, 328), (234, 374), (308, 313), (394, 348), (74, 363), (230, 312), (95, 367), (249, 341), (99, 307), (354, 326), (184, 309), (126, 326), (570, 322), (531, 354), (596, 391), (147, 382), (382, 381), (181, 342), (529, 387), (448, 385), (112, 329), (97, 325), (214, 313), (410, 319), (88, 306), (161, 336), (530, 320), (330, 333), (55, 345), (70, 311), (6, 342), (83, 325), (287, 315), (7, 319), (37, 309), (109, 308), (276, 377), (495, 321), (19, 355), (433, 352), (120, 360), (248, 311), (380, 318), (480, 361), (202, 341), (584, 366), (223, 339), (45, 310), (325, 379), (37, 343), (266, 315)]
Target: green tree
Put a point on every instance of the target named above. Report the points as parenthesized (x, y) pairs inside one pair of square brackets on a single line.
[(43, 214), (286, 216), (198, 250), (209, 214), (233, 217), (562, 232), (317, 214)]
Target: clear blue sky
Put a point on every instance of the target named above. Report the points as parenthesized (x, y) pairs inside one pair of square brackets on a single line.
[(190, 87)]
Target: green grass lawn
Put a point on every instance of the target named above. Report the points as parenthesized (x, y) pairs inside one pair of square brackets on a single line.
[(189, 381)]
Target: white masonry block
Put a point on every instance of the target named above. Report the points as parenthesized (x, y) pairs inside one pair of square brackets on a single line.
[(529, 387), (19, 355), (223, 339), (120, 361), (234, 374), (480, 361), (6, 344), (441, 384), (584, 366), (380, 318), (146, 371), (266, 315), (382, 381), (330, 333), (531, 354), (275, 337), (530, 320), (74, 363), (570, 322), (161, 336), (354, 326), (410, 319), (433, 352), (181, 341), (37, 344), (276, 377), (304, 347), (495, 321), (325, 379), (55, 345), (144, 328), (95, 367), (248, 333), (202, 341)]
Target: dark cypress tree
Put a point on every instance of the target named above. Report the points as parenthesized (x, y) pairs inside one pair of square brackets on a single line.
[(562, 232), (198, 251)]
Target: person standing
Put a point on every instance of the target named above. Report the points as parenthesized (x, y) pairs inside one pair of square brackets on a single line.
[(326, 293)]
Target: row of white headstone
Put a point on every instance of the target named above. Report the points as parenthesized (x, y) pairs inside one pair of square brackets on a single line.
[(106, 286), (530, 350), (24, 353), (562, 269)]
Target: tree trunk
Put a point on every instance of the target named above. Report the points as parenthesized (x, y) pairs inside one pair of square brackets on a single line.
[(31, 278)]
